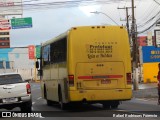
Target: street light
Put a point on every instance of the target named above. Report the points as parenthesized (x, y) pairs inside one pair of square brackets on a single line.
[(96, 12)]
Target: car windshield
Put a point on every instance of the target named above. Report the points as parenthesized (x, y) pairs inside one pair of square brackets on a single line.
[(10, 79)]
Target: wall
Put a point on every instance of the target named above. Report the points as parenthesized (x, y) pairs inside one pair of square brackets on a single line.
[(151, 58), (150, 71), (18, 61), (142, 40)]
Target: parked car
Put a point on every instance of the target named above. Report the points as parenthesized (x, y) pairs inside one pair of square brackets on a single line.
[(14, 92)]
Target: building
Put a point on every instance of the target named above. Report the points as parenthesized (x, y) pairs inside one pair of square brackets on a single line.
[(143, 40), (149, 60), (149, 57), (17, 60), (4, 33), (4, 39)]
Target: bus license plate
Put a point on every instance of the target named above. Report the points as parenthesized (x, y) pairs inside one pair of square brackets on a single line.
[(8, 100), (105, 81)]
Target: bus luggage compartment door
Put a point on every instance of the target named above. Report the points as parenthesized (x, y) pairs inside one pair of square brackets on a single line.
[(102, 75)]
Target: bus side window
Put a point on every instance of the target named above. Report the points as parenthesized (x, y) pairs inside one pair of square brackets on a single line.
[(59, 51), (46, 55)]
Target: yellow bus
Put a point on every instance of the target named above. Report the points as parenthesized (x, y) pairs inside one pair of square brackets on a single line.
[(90, 64)]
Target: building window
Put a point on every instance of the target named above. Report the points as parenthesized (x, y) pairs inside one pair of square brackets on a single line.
[(6, 64), (4, 44), (4, 38), (4, 33), (1, 65)]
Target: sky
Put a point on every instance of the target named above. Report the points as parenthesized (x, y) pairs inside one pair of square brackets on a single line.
[(51, 21)]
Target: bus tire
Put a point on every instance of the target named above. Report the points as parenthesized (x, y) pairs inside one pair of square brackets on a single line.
[(45, 92), (62, 105), (49, 103), (114, 104), (106, 105)]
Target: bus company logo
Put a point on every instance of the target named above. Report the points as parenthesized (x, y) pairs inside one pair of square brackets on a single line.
[(99, 51), (21, 115)]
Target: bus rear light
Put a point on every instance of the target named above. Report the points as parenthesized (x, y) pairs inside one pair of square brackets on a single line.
[(28, 88), (129, 80), (71, 80)]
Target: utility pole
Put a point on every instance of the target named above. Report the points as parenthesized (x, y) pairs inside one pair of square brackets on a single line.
[(127, 18), (134, 47), (127, 24), (134, 51)]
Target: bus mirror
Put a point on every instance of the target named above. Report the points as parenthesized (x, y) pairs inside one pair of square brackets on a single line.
[(37, 64)]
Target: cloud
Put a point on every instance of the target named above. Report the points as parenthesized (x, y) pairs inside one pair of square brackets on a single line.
[(87, 9)]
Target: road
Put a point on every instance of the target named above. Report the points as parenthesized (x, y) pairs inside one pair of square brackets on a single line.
[(128, 109)]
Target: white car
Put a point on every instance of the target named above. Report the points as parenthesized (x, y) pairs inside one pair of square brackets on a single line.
[(14, 92)]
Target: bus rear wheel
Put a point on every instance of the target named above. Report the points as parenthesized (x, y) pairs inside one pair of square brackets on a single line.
[(49, 103), (63, 106), (106, 105), (114, 104)]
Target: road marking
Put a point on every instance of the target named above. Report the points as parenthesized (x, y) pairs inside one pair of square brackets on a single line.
[(147, 99), (39, 98), (33, 103), (142, 99)]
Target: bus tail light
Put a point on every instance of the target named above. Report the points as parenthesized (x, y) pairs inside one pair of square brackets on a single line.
[(71, 80), (28, 88), (129, 80)]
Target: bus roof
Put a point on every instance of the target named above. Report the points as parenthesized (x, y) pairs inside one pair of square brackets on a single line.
[(63, 35), (55, 39)]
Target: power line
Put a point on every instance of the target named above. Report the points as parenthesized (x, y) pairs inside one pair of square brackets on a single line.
[(149, 11), (97, 12), (152, 10), (149, 27), (149, 20), (30, 5), (156, 2)]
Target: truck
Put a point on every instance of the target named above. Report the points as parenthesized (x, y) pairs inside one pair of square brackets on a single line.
[(15, 92)]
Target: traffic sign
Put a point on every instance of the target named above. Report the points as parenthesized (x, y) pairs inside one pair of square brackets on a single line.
[(38, 50), (31, 51), (17, 23)]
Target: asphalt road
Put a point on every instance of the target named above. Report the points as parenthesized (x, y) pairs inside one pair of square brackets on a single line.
[(141, 108)]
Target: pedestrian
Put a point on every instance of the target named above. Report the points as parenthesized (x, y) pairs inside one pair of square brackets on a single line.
[(158, 78)]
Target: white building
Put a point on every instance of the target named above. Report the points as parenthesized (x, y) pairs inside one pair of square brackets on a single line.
[(17, 60)]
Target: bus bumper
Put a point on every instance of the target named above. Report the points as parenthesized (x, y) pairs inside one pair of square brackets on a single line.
[(100, 95)]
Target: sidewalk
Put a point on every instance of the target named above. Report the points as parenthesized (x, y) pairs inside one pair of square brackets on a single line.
[(147, 85), (148, 90)]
